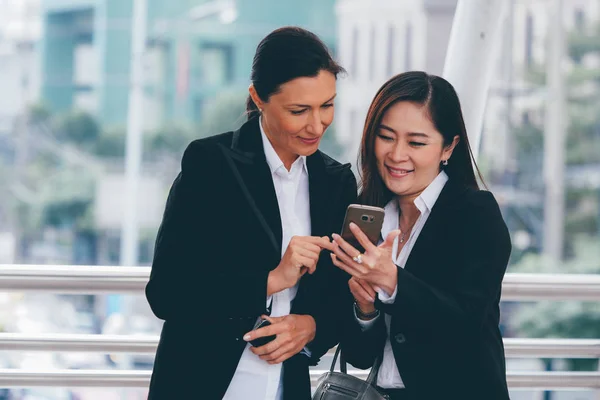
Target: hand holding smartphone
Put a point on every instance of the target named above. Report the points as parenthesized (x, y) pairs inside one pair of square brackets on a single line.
[(261, 341)]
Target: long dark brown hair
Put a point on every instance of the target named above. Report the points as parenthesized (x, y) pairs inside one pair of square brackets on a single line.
[(443, 106)]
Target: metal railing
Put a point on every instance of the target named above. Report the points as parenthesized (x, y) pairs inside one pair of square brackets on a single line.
[(514, 348), (141, 379), (102, 279), (131, 280)]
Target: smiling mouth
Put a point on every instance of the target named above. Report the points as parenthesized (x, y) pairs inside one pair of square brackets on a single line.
[(309, 141), (399, 172)]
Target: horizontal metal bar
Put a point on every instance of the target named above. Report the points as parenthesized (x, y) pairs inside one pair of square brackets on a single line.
[(109, 279), (514, 348), (521, 380), (11, 378), (79, 343), (125, 378), (73, 279), (521, 287), (553, 380), (552, 348)]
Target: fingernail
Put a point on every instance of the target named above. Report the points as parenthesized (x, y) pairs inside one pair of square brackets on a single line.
[(247, 338), (352, 225), (371, 299), (335, 236)]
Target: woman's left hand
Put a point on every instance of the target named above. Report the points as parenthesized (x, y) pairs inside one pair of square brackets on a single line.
[(374, 266)]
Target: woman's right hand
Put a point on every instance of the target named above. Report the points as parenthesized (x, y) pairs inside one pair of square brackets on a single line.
[(301, 256), (364, 294)]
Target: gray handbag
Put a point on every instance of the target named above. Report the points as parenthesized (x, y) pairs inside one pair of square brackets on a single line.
[(341, 386)]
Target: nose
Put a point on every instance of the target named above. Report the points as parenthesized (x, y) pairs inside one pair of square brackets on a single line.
[(400, 152), (315, 123)]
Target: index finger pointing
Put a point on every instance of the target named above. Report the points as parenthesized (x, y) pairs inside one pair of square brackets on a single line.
[(362, 238)]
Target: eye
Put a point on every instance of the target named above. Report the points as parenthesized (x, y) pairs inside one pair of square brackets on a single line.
[(384, 137), (417, 144), (298, 112), (327, 105)]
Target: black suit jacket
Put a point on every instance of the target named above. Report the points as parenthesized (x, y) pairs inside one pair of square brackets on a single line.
[(444, 321), (219, 239)]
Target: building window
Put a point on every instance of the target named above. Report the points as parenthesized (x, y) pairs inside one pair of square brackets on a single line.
[(529, 40), (408, 47), (354, 53), (217, 63), (390, 51)]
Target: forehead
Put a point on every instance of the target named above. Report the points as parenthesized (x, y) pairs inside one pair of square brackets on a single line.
[(307, 90), (406, 117)]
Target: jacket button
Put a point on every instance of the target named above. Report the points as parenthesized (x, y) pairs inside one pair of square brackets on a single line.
[(400, 338)]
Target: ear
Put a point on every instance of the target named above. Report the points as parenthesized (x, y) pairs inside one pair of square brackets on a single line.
[(447, 153), (255, 98)]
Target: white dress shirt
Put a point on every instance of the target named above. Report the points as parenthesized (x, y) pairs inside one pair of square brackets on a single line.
[(388, 376), (255, 379)]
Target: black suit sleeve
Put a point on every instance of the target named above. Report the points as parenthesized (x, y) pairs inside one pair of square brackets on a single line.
[(458, 312), (186, 277), (361, 347), (327, 313)]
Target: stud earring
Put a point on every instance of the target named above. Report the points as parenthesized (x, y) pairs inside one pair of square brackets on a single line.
[(445, 162)]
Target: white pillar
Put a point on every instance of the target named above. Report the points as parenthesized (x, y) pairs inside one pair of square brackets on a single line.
[(470, 59), (133, 150), (554, 137)]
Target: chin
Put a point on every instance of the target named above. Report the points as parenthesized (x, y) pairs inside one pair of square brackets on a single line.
[(308, 151)]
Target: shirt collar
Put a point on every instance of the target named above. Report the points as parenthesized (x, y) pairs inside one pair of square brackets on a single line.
[(427, 199), (424, 202), (273, 159)]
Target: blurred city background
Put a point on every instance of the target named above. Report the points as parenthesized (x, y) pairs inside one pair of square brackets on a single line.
[(83, 115)]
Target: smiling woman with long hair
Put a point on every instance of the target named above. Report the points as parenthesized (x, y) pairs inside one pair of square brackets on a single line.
[(425, 300)]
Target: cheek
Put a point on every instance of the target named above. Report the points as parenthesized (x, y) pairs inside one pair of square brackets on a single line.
[(291, 125), (327, 116), (429, 162)]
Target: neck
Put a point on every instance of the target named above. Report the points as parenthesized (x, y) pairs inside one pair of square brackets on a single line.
[(408, 211), (286, 157)]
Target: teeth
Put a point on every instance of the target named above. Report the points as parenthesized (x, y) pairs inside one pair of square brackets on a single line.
[(399, 171)]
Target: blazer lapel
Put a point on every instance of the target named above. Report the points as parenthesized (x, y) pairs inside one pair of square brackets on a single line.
[(436, 222), (324, 185), (317, 192), (248, 163)]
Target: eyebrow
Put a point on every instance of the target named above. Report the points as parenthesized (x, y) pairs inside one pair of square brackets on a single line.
[(411, 134), (308, 106)]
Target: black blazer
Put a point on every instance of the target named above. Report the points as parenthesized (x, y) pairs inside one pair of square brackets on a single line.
[(219, 239), (444, 322)]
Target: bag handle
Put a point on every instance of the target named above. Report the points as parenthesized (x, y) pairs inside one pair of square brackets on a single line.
[(344, 367)]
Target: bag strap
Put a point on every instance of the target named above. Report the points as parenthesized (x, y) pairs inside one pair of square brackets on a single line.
[(344, 367)]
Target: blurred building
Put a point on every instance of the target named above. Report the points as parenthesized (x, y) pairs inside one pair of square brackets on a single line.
[(378, 39), (19, 58), (86, 52), (513, 98)]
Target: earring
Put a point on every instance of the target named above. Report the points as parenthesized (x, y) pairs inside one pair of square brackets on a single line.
[(260, 110), (445, 162)]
